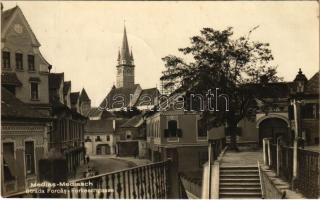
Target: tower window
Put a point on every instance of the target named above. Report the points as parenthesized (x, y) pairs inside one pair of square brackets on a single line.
[(31, 63), (34, 91), (6, 59)]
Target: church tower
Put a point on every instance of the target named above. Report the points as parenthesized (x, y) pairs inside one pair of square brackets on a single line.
[(125, 67)]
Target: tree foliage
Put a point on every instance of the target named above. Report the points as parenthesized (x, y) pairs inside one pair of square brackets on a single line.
[(221, 61)]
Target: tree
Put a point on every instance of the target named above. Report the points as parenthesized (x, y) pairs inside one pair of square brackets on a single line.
[(220, 61)]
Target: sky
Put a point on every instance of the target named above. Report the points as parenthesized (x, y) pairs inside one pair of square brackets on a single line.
[(82, 39)]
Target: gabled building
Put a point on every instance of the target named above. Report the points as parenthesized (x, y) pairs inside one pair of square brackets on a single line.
[(22, 61), (67, 134), (25, 107)]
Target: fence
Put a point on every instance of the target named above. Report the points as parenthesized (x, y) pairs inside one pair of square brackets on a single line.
[(150, 181), (286, 163), (308, 173), (308, 167)]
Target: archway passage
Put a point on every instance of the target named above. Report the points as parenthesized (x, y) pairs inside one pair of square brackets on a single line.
[(273, 128), (103, 149)]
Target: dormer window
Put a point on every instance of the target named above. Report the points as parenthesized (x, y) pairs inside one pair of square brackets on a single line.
[(31, 66), (19, 61), (6, 60)]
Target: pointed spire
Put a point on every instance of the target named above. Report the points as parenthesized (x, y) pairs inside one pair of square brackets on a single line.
[(119, 56), (124, 53), (131, 55)]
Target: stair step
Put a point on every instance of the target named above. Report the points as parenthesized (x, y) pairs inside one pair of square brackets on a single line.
[(239, 195), (239, 167), (237, 189), (239, 176), (239, 170), (240, 173), (240, 184), (243, 180)]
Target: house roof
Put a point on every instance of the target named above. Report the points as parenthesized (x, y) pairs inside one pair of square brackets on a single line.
[(99, 126), (55, 80), (119, 94), (94, 112), (74, 97), (270, 90), (66, 87), (84, 96), (313, 84), (6, 16), (133, 122), (10, 78), (57, 107), (147, 95), (13, 108)]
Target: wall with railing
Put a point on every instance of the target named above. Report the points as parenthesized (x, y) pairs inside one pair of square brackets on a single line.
[(280, 159), (152, 181)]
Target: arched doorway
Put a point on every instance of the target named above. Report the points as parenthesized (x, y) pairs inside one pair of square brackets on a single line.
[(103, 149), (273, 128)]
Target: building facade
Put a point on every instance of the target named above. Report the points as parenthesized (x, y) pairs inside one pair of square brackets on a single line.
[(100, 138), (25, 108), (67, 133)]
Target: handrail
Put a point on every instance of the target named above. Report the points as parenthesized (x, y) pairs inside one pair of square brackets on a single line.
[(261, 183), (118, 171)]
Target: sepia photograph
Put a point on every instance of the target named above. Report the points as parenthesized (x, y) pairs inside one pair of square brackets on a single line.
[(160, 99)]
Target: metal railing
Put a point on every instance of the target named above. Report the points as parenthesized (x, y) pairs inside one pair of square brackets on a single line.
[(148, 181), (308, 173), (307, 180)]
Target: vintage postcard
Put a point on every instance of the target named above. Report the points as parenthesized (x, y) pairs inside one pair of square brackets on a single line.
[(160, 99)]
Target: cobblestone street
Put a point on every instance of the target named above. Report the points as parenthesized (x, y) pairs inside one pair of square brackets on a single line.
[(105, 164)]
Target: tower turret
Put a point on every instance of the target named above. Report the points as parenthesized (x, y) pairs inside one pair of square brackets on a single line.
[(125, 67)]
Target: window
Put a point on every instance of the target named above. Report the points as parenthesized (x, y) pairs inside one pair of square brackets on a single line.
[(6, 59), (8, 161), (310, 111), (19, 61), (88, 139), (29, 157), (128, 135), (34, 91), (172, 130), (108, 137), (202, 128), (98, 139), (31, 63)]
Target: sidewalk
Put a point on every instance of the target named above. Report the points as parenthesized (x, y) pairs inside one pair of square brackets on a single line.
[(242, 158)]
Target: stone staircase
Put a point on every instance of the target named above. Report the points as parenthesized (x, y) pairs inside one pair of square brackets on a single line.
[(238, 182)]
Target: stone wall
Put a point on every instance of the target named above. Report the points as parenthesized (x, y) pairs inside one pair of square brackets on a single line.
[(270, 191)]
